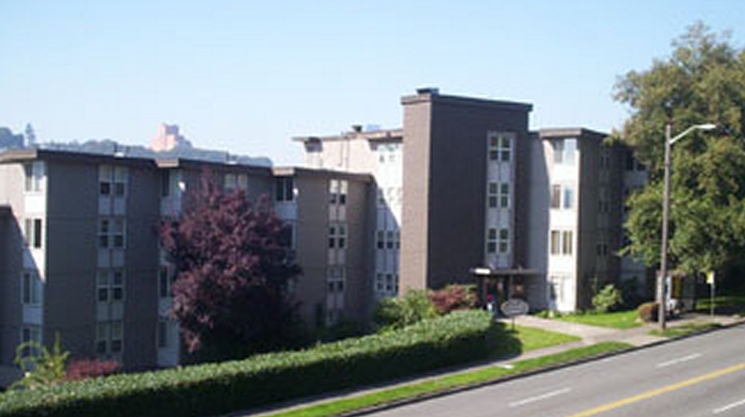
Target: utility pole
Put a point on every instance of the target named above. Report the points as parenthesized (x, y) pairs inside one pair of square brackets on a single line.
[(662, 278)]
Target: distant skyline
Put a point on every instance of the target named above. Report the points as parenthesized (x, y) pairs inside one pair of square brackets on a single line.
[(247, 76)]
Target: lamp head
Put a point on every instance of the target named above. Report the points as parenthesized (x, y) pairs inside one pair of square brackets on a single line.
[(707, 126)]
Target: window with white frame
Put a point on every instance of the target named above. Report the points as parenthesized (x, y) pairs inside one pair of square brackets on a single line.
[(498, 194), (236, 182), (110, 286), (337, 236), (562, 196), (338, 192), (33, 233), (380, 239), (491, 240), (109, 338), (504, 241), (111, 233), (565, 151), (165, 282), (390, 240), (31, 288), (335, 278), (34, 176), (284, 189), (112, 181), (499, 147), (561, 242), (379, 282), (31, 334)]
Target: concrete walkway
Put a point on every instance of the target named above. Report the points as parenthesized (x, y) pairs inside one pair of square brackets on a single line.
[(638, 336)]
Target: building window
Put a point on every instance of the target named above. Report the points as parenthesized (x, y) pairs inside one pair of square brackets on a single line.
[(498, 194), (33, 233), (390, 240), (491, 240), (31, 334), (236, 182), (565, 151), (109, 338), (284, 189), (111, 233), (337, 236), (34, 176), (31, 288), (110, 286), (504, 240), (499, 147), (338, 192), (562, 196), (380, 241), (397, 237), (602, 249), (165, 282), (112, 180), (562, 242), (379, 282), (335, 277), (287, 236)]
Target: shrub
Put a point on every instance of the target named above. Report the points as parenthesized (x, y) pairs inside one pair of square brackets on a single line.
[(454, 297), (648, 312), (90, 368), (608, 299), (41, 367), (213, 389), (395, 313)]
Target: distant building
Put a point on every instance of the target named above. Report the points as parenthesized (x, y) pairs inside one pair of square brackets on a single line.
[(168, 139)]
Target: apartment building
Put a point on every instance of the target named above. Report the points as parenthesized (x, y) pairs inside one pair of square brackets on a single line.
[(81, 259), (536, 215), (464, 192)]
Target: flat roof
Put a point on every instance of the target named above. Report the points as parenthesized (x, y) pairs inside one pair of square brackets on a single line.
[(552, 132), (373, 135), (320, 172), (433, 95)]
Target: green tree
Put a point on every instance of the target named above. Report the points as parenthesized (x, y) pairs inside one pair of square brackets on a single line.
[(702, 81)]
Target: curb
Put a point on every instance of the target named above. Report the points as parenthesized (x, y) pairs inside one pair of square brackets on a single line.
[(550, 368)]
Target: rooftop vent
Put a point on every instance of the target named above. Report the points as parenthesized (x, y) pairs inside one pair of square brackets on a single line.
[(428, 90), (357, 128)]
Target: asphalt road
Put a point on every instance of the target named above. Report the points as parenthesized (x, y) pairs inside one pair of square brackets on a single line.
[(698, 376)]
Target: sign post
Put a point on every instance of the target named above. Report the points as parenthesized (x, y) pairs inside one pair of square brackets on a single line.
[(711, 280), (514, 307)]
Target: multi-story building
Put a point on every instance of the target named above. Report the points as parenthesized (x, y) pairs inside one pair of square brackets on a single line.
[(463, 193)]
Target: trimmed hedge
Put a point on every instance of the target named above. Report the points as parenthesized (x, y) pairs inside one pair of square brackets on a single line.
[(213, 389)]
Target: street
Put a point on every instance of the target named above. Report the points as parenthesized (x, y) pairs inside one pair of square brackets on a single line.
[(698, 376)]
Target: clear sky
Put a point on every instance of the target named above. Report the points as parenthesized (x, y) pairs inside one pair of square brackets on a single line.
[(246, 76)]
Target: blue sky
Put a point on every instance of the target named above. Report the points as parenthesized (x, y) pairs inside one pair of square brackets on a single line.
[(246, 76)]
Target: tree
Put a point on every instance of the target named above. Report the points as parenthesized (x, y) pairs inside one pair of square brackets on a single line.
[(703, 81), (232, 273)]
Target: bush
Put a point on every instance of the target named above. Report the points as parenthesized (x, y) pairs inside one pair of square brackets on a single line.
[(221, 388), (648, 312), (90, 368), (398, 312), (454, 297), (608, 299)]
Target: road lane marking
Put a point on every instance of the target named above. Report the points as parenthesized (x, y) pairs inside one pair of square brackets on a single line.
[(659, 391), (729, 407), (679, 360), (540, 397)]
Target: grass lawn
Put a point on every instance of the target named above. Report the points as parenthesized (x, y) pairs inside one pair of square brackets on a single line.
[(617, 320), (684, 330), (511, 343), (417, 389)]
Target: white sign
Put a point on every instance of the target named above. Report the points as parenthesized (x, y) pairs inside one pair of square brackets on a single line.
[(514, 307)]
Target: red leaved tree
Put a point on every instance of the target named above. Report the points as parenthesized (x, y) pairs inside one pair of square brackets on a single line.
[(230, 292)]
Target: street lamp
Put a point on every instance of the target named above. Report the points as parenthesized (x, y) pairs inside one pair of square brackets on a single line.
[(661, 279)]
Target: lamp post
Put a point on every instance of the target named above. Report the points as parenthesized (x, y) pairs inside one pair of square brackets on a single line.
[(662, 278)]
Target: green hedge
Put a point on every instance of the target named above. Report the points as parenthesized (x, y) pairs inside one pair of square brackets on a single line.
[(211, 389)]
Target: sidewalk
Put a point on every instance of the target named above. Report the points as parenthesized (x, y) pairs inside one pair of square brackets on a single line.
[(638, 336)]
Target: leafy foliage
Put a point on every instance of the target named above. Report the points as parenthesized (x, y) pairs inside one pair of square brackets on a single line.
[(213, 389), (41, 367), (398, 312), (608, 299), (230, 293), (454, 297), (90, 368), (703, 81)]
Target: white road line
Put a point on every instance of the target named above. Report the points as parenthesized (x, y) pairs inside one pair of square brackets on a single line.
[(540, 397), (729, 407), (679, 360)]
